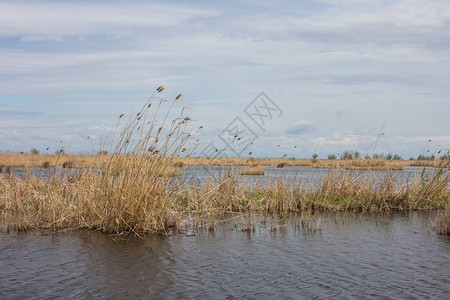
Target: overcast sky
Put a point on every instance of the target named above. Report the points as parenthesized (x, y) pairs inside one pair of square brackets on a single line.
[(341, 72)]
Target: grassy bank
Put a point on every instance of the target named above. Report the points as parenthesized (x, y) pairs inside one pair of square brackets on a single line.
[(12, 159)]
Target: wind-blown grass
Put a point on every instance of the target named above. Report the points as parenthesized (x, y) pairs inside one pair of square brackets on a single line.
[(137, 203), (132, 189)]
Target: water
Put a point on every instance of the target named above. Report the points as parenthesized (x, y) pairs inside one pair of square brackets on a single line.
[(352, 256), (200, 174), (308, 176)]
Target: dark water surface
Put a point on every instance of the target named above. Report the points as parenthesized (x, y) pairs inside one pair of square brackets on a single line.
[(396, 257)]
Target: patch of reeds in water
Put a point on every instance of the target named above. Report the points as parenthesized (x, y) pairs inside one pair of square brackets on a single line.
[(129, 191), (442, 224), (256, 170), (140, 200), (133, 189)]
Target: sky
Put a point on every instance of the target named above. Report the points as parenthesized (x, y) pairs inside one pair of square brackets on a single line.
[(369, 76)]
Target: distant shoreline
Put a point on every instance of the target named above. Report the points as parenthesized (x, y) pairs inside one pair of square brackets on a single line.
[(15, 159)]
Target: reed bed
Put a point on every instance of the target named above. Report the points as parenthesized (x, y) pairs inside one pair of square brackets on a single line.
[(442, 226), (137, 203), (11, 159), (135, 189), (256, 170)]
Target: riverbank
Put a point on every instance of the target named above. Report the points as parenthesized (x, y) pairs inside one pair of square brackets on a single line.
[(13, 159)]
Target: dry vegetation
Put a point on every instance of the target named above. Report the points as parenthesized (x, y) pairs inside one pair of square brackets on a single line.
[(443, 221), (256, 170), (132, 190), (367, 164), (10, 159), (137, 201)]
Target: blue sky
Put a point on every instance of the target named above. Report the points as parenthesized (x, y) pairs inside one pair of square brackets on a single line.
[(338, 70)]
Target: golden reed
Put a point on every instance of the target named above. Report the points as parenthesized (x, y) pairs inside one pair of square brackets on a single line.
[(134, 189)]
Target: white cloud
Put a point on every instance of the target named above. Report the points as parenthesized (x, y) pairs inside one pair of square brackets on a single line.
[(301, 127), (352, 140), (85, 18), (444, 139), (374, 60), (40, 38)]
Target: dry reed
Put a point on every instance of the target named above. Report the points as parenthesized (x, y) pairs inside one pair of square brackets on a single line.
[(131, 202), (442, 226), (256, 170), (133, 190), (93, 160)]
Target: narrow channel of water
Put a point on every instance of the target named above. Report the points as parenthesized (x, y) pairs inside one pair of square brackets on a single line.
[(345, 256), (200, 174)]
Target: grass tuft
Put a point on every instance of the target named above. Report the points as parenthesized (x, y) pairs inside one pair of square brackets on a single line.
[(257, 170)]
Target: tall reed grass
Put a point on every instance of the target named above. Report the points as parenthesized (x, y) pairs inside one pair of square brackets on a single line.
[(442, 223), (133, 189), (137, 202), (128, 191)]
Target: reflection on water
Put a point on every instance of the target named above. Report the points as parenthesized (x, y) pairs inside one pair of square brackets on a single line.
[(351, 257)]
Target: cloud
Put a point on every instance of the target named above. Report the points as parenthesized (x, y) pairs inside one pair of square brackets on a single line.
[(445, 139), (302, 127), (364, 78), (339, 114), (40, 38), (344, 27), (44, 18), (372, 60), (18, 114), (351, 140)]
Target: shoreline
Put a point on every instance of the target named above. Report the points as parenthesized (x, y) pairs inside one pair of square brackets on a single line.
[(14, 159)]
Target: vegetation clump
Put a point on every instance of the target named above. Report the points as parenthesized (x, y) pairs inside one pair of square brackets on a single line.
[(443, 222), (137, 186), (68, 164), (256, 170)]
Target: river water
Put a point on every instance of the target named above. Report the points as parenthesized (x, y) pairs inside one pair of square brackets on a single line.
[(308, 176), (341, 257)]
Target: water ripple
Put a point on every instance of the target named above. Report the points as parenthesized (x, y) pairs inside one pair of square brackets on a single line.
[(354, 257)]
